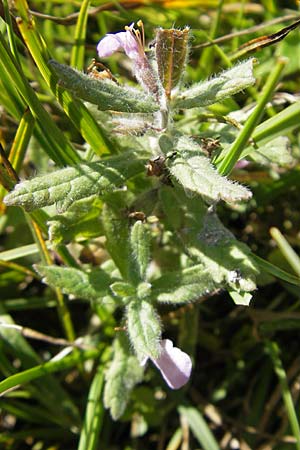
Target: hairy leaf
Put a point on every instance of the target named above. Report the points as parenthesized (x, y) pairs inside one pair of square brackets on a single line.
[(104, 93), (124, 373), (183, 286), (227, 260), (275, 152), (215, 90), (81, 220), (73, 183), (194, 171), (140, 251), (143, 328), (92, 285)]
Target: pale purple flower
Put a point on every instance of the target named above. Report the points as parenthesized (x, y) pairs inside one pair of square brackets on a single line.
[(174, 365), (132, 41)]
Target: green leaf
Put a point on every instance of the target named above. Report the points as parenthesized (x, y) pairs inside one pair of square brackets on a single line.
[(122, 290), (218, 88), (194, 172), (274, 152), (91, 286), (240, 298), (199, 427), (73, 183), (183, 286), (227, 260), (143, 328), (104, 93), (81, 220), (116, 231), (140, 249), (124, 373)]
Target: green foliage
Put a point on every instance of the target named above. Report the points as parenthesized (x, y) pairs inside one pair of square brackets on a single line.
[(106, 94), (124, 373), (222, 86), (141, 226), (91, 285), (143, 328), (71, 184), (195, 173)]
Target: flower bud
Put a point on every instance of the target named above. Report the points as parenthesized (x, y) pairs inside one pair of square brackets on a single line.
[(171, 54)]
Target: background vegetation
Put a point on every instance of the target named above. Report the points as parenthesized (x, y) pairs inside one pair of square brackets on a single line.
[(245, 385)]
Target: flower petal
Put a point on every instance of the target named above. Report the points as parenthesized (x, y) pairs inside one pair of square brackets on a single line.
[(112, 43), (109, 45), (174, 365)]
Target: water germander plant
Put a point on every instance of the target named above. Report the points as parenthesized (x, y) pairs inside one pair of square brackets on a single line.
[(151, 201)]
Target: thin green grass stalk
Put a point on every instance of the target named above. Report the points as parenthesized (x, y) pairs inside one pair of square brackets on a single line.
[(21, 252), (47, 368), (74, 108), (20, 144), (77, 54), (10, 32), (21, 140), (16, 107), (47, 391), (93, 419), (18, 268), (266, 266), (206, 57), (199, 427), (274, 352), (62, 152), (62, 309), (175, 441), (284, 121), (235, 40), (230, 159), (35, 432), (24, 304), (287, 251)]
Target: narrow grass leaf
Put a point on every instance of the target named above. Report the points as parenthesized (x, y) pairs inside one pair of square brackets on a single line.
[(77, 54), (199, 427), (89, 436)]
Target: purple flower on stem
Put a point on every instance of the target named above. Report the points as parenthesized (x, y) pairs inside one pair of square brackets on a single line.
[(174, 365), (132, 41)]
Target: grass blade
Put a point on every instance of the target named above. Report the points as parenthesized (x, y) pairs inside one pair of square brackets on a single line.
[(199, 427), (94, 414)]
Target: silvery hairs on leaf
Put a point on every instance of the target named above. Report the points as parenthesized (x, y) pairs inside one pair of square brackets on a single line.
[(218, 88), (104, 93), (194, 171), (124, 373), (67, 185), (93, 285), (144, 329)]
